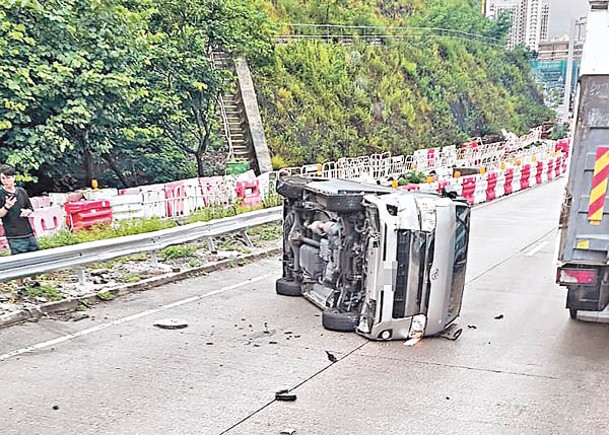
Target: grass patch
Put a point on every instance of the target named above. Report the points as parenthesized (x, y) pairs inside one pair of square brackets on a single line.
[(50, 292), (136, 257), (273, 199), (178, 251), (83, 305), (267, 232), (132, 277), (139, 226), (104, 231), (213, 212), (106, 296), (193, 262)]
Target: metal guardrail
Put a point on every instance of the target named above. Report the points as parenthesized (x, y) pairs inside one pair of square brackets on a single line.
[(77, 256)]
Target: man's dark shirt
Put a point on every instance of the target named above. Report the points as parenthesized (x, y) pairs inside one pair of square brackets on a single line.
[(16, 226)]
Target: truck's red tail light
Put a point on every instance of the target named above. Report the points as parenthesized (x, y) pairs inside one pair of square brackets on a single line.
[(576, 276)]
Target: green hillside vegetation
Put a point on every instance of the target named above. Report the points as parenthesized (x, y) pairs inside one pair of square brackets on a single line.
[(125, 91), (322, 101)]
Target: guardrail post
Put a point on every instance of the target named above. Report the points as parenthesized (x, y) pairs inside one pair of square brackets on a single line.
[(154, 258), (82, 279), (211, 245), (246, 238)]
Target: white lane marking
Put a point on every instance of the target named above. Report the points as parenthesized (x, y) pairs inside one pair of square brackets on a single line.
[(536, 249), (101, 327)]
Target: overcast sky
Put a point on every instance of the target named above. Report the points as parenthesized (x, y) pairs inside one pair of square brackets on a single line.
[(562, 12)]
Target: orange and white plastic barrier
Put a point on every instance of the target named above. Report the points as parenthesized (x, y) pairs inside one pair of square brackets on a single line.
[(85, 214), (47, 220), (248, 193), (480, 189), (542, 161)]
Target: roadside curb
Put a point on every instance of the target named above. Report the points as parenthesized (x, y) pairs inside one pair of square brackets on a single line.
[(71, 304)]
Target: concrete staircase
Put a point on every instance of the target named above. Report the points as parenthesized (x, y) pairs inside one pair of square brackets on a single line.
[(237, 122), (233, 114)]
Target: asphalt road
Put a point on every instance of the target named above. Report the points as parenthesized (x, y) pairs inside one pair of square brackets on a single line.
[(533, 371)]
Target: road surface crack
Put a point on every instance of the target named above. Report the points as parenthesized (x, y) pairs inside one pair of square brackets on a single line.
[(313, 376)]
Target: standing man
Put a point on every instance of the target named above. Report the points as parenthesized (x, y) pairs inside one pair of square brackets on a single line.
[(15, 207)]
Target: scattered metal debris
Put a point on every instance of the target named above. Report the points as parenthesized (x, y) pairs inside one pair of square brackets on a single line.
[(331, 357), (412, 341), (78, 316), (285, 396), (171, 324), (453, 332)]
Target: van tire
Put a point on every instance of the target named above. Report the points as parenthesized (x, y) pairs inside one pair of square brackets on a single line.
[(287, 288), (334, 320), (292, 187)]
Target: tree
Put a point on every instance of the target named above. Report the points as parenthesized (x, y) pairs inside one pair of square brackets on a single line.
[(183, 82), (104, 81), (66, 78)]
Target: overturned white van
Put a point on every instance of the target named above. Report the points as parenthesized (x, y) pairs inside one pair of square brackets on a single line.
[(386, 263)]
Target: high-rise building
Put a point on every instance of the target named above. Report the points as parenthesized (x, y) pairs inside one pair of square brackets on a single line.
[(496, 8), (529, 20), (545, 21)]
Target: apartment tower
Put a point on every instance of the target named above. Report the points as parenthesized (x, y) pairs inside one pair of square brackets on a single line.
[(529, 20)]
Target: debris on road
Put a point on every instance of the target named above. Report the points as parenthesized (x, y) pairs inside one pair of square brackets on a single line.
[(331, 357), (171, 324), (452, 333), (285, 396), (412, 341), (78, 316), (288, 432), (499, 317), (472, 326)]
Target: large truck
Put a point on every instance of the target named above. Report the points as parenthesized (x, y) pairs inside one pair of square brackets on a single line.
[(583, 245)]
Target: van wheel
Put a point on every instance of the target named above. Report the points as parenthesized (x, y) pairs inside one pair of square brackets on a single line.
[(287, 288), (573, 313), (293, 186), (334, 320)]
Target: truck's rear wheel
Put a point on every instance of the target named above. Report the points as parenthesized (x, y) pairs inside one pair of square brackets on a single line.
[(334, 320), (287, 288)]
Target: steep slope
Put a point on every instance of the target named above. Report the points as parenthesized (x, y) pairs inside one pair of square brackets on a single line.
[(325, 98)]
